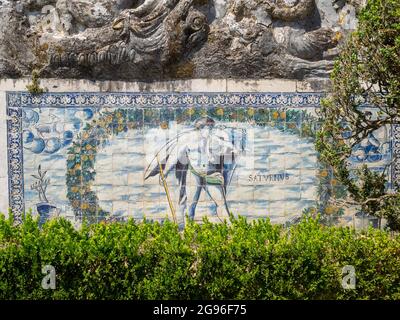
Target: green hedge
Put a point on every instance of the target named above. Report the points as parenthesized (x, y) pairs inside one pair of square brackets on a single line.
[(241, 260)]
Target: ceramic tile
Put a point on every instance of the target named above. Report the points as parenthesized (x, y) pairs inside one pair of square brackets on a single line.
[(309, 191), (120, 178), (98, 157), (120, 208)]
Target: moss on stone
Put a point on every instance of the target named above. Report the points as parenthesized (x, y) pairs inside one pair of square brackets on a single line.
[(183, 70), (34, 87)]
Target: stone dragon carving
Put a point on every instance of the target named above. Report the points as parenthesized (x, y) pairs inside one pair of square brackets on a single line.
[(157, 32), (167, 39)]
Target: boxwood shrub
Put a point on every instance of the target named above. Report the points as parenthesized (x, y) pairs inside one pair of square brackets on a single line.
[(234, 260)]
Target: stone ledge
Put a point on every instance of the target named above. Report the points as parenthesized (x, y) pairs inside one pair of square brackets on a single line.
[(268, 85), (193, 85), (3, 195), (313, 85)]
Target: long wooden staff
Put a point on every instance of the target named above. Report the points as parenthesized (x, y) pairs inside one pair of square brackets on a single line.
[(171, 206)]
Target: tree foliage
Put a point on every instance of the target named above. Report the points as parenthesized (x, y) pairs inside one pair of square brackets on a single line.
[(367, 73)]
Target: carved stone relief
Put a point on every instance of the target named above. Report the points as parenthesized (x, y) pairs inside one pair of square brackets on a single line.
[(168, 39)]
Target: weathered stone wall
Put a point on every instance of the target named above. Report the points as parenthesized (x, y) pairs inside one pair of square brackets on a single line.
[(172, 39)]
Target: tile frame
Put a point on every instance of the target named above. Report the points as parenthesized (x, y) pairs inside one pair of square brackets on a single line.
[(17, 100)]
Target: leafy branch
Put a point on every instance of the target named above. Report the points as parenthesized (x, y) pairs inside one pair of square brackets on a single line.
[(365, 76), (41, 185)]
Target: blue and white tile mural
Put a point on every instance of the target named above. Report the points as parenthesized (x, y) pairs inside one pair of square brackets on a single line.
[(119, 155)]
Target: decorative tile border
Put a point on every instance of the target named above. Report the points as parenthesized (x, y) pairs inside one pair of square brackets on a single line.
[(396, 155), (15, 160), (16, 101), (148, 100)]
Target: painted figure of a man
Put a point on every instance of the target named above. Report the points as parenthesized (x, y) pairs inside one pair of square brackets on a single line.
[(209, 155)]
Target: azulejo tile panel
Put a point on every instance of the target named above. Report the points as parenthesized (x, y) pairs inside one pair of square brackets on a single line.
[(119, 155)]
